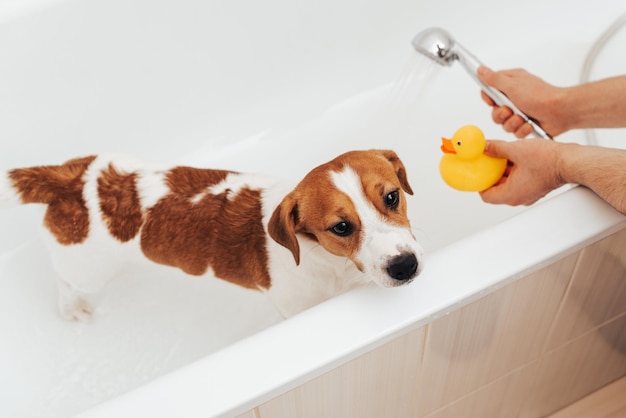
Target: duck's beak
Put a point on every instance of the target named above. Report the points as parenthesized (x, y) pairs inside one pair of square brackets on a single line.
[(446, 146)]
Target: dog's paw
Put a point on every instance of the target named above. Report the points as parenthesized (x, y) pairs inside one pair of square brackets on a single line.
[(72, 304), (76, 310)]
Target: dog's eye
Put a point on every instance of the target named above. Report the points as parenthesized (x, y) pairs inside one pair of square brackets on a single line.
[(392, 199), (342, 229)]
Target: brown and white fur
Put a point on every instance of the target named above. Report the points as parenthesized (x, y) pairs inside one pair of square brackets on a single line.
[(344, 225)]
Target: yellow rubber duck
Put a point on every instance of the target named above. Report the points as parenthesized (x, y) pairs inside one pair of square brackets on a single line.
[(464, 166)]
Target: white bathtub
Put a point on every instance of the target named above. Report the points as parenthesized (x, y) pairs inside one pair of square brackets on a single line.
[(279, 87)]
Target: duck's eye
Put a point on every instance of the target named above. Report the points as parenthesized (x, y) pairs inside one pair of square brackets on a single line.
[(392, 199), (459, 143), (342, 229)]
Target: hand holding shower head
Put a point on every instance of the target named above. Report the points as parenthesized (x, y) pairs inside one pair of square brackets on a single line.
[(438, 45)]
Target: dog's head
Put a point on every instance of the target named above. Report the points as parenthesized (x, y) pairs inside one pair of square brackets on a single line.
[(354, 206)]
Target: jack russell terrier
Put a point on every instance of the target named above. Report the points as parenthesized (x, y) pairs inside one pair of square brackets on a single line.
[(343, 226)]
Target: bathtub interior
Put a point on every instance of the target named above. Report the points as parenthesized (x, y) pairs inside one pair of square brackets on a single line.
[(279, 98)]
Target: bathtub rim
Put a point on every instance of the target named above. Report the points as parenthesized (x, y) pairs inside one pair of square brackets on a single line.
[(209, 388)]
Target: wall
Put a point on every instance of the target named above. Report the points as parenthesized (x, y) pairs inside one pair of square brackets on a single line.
[(525, 350)]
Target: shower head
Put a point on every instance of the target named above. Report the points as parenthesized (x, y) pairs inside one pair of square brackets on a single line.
[(438, 45)]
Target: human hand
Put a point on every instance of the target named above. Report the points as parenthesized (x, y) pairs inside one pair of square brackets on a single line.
[(531, 95), (532, 171)]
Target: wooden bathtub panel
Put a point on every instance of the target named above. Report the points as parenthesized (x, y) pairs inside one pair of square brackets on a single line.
[(557, 379), (597, 292), (608, 402), (381, 383), (491, 337), (578, 368), (502, 398)]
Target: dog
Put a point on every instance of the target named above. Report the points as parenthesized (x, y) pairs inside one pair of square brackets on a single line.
[(344, 225)]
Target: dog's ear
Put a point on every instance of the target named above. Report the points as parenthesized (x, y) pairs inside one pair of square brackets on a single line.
[(282, 225), (395, 161)]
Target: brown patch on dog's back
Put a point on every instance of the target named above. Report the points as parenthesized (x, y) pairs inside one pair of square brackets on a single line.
[(61, 188), (244, 250), (193, 230), (188, 181), (119, 203)]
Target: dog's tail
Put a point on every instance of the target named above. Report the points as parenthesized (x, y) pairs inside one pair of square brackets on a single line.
[(42, 184)]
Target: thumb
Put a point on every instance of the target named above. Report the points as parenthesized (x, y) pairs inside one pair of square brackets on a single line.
[(498, 149), (492, 78)]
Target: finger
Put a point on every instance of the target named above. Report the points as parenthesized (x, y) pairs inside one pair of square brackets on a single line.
[(492, 78), (524, 130), (513, 123), (501, 180), (498, 149), (499, 194), (513, 72), (487, 99), (501, 114), (495, 194), (486, 75), (507, 171)]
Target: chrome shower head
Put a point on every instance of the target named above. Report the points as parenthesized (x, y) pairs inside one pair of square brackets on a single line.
[(438, 45)]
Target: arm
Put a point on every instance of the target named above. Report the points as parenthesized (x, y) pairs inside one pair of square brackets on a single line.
[(598, 104), (603, 170), (538, 166)]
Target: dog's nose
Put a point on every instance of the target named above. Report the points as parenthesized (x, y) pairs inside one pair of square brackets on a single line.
[(402, 267)]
